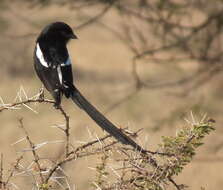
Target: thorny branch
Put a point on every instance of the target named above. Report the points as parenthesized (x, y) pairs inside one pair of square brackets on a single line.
[(146, 169), (33, 147), (79, 152), (67, 130), (6, 183)]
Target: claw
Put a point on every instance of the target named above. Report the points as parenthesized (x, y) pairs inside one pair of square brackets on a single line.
[(41, 94), (56, 106)]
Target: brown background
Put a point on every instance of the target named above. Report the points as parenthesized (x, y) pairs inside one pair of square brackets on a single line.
[(102, 71)]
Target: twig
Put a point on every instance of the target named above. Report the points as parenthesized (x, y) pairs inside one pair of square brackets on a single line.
[(174, 183), (67, 130), (95, 18), (13, 105), (32, 146), (13, 169)]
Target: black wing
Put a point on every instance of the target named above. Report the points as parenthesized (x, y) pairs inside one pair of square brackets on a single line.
[(60, 59), (53, 70)]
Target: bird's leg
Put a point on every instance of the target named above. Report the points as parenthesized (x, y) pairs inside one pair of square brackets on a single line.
[(56, 105), (41, 94), (57, 97)]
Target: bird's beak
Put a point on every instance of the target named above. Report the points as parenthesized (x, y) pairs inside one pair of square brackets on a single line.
[(73, 36)]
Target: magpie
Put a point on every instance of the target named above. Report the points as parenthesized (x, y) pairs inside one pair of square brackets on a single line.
[(53, 67)]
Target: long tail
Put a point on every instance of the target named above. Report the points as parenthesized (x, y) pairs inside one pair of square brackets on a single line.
[(102, 121)]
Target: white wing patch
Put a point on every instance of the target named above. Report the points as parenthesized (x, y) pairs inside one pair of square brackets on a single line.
[(68, 62), (39, 55), (60, 74)]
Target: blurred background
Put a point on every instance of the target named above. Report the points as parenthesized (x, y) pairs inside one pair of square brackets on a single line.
[(144, 63)]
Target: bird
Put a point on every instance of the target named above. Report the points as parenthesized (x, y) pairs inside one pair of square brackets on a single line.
[(52, 65)]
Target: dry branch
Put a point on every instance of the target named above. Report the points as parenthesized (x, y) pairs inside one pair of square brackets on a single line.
[(151, 170)]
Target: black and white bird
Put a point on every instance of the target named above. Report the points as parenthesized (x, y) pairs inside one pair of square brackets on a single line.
[(53, 66)]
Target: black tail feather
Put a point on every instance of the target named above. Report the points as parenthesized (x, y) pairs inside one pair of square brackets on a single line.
[(102, 121)]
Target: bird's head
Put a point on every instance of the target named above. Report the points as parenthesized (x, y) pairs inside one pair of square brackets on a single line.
[(58, 31)]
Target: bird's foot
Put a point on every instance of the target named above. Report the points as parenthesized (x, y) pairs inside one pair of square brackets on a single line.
[(56, 106), (41, 94)]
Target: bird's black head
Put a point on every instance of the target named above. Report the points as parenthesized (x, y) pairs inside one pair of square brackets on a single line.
[(58, 31)]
